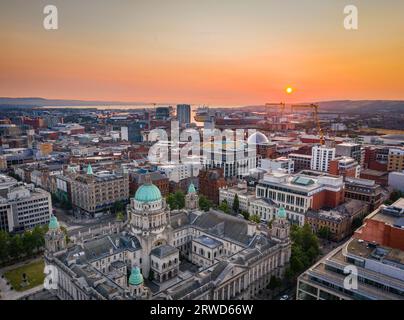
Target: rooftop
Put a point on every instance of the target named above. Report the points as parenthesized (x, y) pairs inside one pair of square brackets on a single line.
[(371, 250), (392, 215), (208, 241), (375, 173), (163, 251)]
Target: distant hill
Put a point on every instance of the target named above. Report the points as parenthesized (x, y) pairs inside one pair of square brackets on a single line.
[(353, 106), (346, 106), (363, 106), (41, 102)]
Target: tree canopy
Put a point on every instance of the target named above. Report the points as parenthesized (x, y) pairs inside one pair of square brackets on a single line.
[(204, 203), (15, 246), (305, 249), (224, 206), (176, 200), (255, 218), (118, 207), (236, 203), (324, 233), (245, 214)]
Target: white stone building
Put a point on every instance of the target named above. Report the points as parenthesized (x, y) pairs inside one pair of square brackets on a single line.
[(321, 157), (281, 163), (244, 196), (234, 258), (23, 207)]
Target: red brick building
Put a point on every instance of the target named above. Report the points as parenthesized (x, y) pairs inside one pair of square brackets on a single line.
[(210, 181), (36, 123), (380, 177), (328, 199), (344, 166), (385, 226), (376, 158)]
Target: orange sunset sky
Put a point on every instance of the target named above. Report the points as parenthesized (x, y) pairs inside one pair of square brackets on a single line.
[(221, 52)]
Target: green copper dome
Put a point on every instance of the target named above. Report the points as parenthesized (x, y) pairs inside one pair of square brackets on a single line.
[(53, 223), (136, 277), (282, 213), (191, 188), (148, 193)]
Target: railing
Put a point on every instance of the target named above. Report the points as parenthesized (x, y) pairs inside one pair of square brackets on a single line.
[(371, 275)]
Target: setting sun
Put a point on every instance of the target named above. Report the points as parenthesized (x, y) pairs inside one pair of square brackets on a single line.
[(289, 90)]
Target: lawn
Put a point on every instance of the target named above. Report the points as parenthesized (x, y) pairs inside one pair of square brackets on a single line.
[(34, 272)]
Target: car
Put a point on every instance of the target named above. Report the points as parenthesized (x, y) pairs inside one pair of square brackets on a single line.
[(284, 297)]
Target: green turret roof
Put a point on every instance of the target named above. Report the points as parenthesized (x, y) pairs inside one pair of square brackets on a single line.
[(53, 223), (191, 188), (136, 277), (89, 169), (281, 213), (148, 193)]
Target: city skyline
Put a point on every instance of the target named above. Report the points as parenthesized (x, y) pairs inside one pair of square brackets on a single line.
[(232, 52)]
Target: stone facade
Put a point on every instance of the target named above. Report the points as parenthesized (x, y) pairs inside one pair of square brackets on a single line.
[(93, 194), (223, 256)]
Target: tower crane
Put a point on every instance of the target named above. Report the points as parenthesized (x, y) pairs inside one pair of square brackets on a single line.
[(314, 107)]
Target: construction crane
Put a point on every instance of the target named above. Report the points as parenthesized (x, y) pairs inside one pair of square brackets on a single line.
[(314, 107), (280, 105)]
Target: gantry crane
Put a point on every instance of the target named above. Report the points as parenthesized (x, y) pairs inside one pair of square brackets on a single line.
[(280, 105), (315, 116)]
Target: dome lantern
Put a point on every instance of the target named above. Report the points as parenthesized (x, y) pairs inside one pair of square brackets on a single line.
[(89, 170), (136, 277), (191, 188), (53, 223), (281, 213)]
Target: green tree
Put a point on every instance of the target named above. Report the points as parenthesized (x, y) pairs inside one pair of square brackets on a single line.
[(64, 230), (16, 246), (118, 206), (224, 206), (120, 217), (236, 203), (4, 245), (245, 214), (204, 203), (324, 233), (171, 201), (28, 243), (176, 200), (255, 218), (179, 197), (305, 250), (38, 237)]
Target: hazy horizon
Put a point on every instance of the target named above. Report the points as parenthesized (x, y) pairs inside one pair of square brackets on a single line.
[(229, 52)]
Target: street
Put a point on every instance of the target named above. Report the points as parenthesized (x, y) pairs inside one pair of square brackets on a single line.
[(75, 225)]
